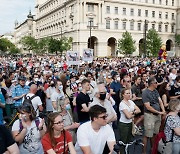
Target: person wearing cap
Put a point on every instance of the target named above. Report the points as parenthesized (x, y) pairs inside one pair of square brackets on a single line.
[(19, 91)]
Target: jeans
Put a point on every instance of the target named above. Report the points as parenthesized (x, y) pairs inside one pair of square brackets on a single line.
[(176, 148)]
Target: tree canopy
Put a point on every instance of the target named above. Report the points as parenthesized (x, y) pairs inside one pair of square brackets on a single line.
[(5, 45), (126, 45), (153, 43)]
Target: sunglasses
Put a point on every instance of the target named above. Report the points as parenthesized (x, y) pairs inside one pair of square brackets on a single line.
[(104, 117), (59, 122)]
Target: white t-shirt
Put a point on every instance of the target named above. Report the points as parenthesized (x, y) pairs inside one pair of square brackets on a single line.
[(55, 96), (49, 91), (32, 141), (107, 105), (86, 136), (36, 101), (130, 108)]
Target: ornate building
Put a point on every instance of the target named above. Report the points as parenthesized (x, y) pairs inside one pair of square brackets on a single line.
[(99, 24), (24, 29)]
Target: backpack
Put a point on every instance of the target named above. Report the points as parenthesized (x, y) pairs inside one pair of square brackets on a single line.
[(37, 122), (28, 99)]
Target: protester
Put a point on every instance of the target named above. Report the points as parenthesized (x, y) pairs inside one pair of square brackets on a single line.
[(28, 130), (57, 140), (153, 110), (7, 143), (127, 111), (92, 136), (172, 127)]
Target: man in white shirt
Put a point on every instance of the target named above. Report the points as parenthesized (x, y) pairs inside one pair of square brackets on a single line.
[(36, 101), (100, 99), (57, 95), (92, 136)]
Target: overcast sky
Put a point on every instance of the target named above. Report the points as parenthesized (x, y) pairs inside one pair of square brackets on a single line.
[(11, 10)]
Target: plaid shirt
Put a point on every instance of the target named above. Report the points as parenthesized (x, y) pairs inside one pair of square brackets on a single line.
[(18, 91)]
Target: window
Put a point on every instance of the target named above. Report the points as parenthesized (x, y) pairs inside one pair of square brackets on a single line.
[(146, 1), (146, 13), (116, 10), (166, 15), (153, 26), (124, 25), (139, 26), (160, 27), (115, 24), (166, 2), (91, 22), (153, 14), (172, 16), (172, 2), (107, 9), (172, 28), (124, 11), (153, 1), (132, 25), (160, 15), (132, 12), (160, 2), (90, 8), (107, 24), (139, 12), (166, 28)]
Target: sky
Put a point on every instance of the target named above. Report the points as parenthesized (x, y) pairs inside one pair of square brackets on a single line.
[(11, 10)]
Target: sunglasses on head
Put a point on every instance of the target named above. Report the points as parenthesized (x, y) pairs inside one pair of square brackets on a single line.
[(59, 122)]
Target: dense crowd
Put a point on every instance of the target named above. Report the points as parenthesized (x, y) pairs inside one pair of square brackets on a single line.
[(59, 108)]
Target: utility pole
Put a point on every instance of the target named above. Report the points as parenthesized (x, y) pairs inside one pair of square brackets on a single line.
[(90, 21), (61, 32), (145, 27)]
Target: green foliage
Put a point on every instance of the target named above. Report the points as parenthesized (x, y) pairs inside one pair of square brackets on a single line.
[(5, 44), (153, 43), (177, 39), (14, 50), (43, 45), (29, 43), (61, 45), (126, 45)]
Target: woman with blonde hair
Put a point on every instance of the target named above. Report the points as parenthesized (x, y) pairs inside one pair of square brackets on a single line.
[(172, 126), (57, 140)]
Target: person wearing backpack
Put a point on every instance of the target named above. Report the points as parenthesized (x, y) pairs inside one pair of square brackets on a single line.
[(28, 130), (33, 99)]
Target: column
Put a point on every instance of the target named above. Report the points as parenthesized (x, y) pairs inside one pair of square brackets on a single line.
[(99, 13), (84, 12)]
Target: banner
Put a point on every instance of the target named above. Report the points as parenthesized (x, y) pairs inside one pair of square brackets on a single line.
[(88, 55), (72, 57)]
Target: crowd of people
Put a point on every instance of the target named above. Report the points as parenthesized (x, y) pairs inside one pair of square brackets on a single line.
[(73, 109)]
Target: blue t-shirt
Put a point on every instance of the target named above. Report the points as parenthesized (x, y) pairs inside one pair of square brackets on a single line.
[(2, 100)]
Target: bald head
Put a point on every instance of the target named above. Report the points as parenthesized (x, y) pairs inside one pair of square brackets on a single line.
[(33, 88)]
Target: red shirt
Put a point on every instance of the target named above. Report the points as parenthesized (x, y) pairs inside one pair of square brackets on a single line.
[(59, 148)]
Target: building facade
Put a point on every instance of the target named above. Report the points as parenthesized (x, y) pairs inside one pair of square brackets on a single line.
[(27, 28), (99, 24)]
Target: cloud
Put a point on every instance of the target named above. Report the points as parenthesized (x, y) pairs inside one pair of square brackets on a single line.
[(11, 10)]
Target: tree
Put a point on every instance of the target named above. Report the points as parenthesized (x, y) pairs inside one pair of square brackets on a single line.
[(5, 44), (14, 50), (29, 43), (126, 45), (43, 45), (177, 39), (153, 43)]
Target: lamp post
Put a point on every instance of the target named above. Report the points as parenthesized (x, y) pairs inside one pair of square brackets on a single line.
[(90, 21), (145, 27)]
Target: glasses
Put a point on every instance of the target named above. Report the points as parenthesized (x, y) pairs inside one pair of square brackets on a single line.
[(59, 122), (128, 81), (104, 117), (154, 82)]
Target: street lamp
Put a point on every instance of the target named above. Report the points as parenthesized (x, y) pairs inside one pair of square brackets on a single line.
[(90, 21), (145, 27)]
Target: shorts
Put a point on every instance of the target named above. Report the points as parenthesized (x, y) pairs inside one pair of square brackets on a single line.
[(151, 124)]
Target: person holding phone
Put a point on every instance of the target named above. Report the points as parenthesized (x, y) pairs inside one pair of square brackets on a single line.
[(28, 130)]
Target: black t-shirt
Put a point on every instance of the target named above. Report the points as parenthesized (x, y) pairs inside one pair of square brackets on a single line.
[(174, 91), (137, 91), (6, 139), (82, 99)]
